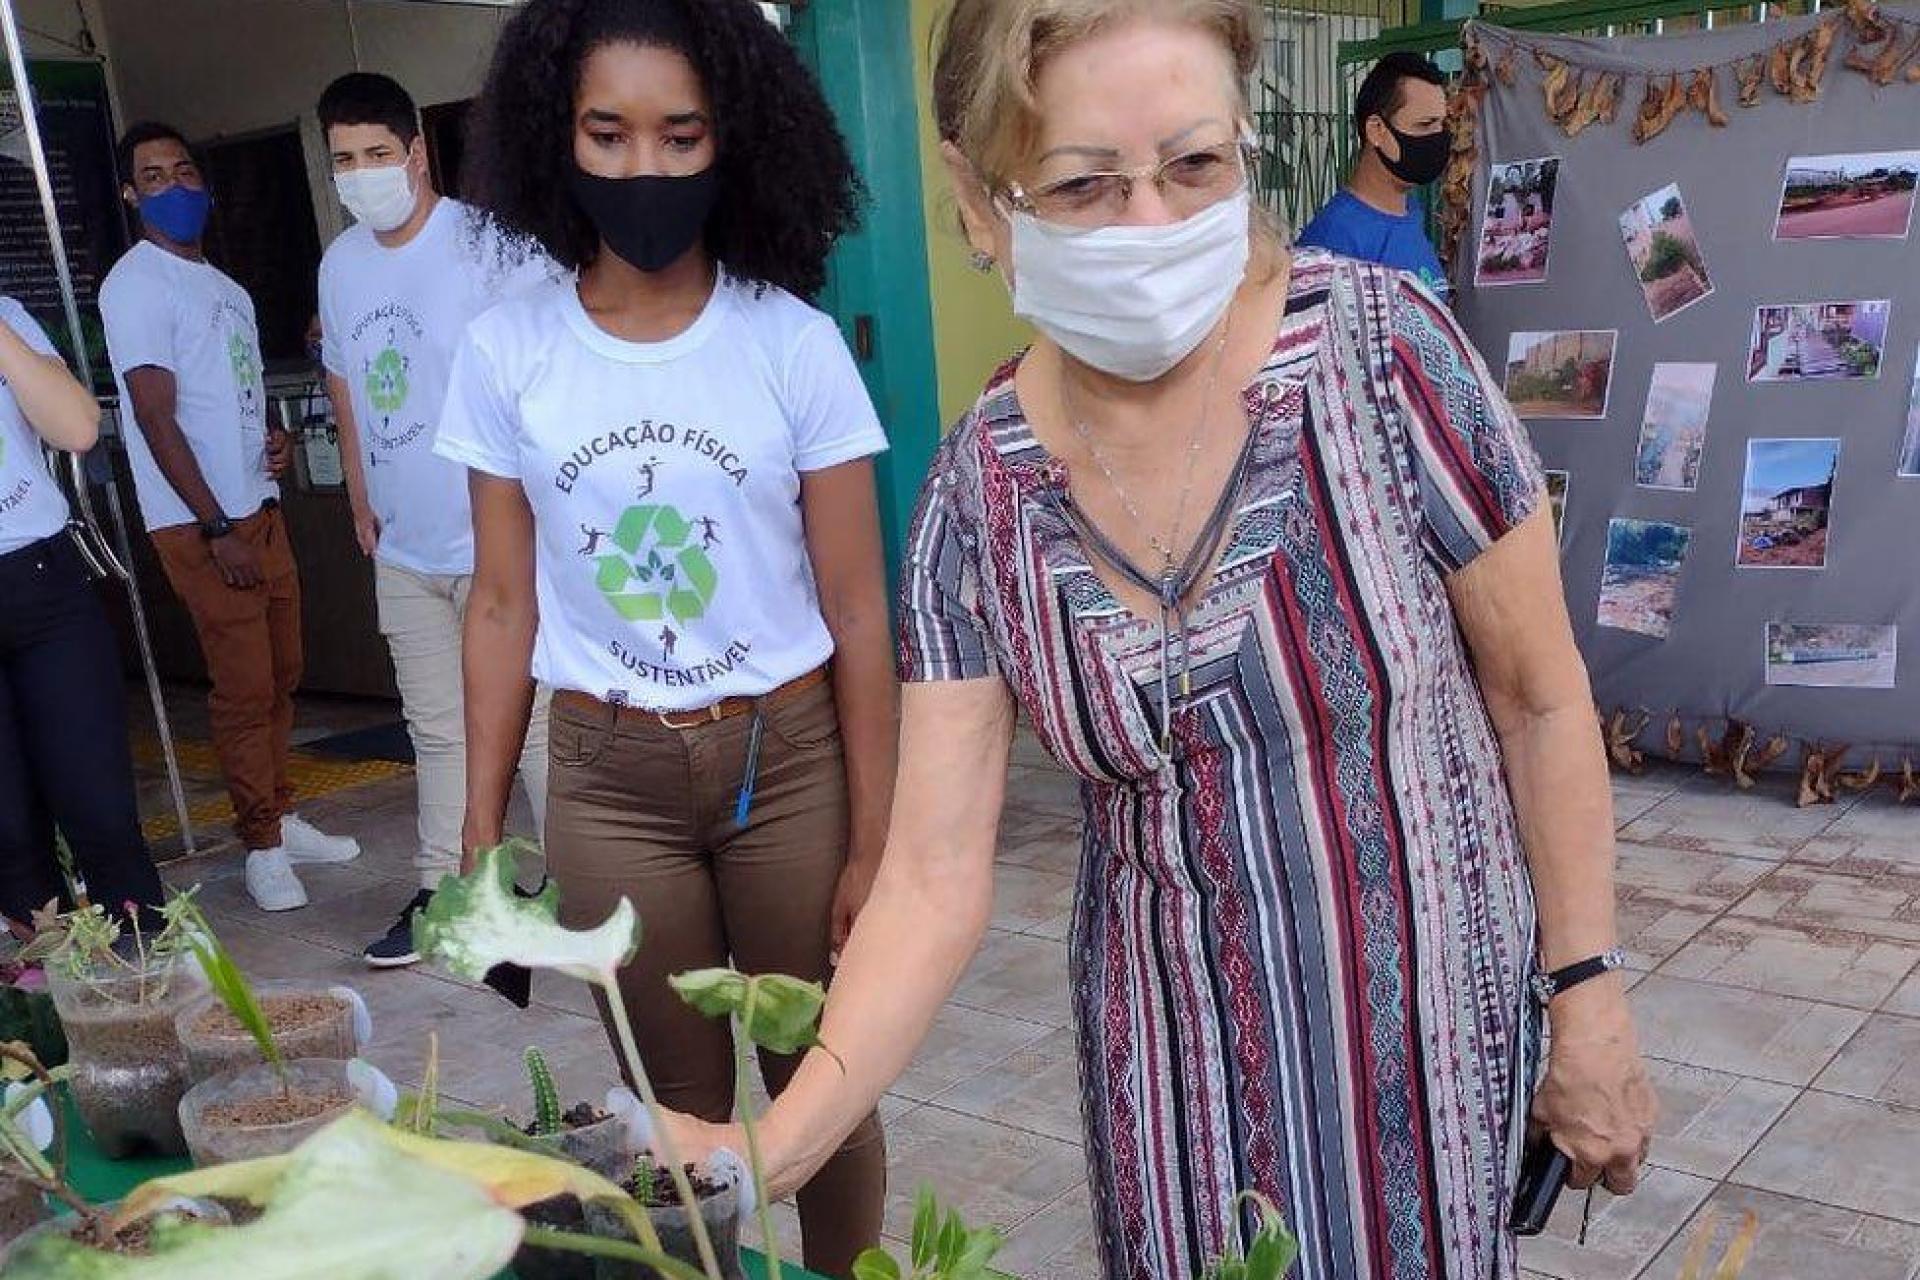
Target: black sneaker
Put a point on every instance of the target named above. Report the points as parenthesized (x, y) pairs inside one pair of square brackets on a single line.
[(395, 950)]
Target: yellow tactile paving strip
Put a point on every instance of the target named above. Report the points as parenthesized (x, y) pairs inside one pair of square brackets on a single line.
[(312, 777)]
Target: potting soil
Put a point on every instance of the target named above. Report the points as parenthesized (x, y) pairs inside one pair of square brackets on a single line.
[(287, 1015), (273, 1108)]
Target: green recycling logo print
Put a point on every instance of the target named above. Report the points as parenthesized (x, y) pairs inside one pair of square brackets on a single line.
[(659, 575), (246, 364), (387, 381)]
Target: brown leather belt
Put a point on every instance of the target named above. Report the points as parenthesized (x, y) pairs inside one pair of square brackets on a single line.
[(587, 704)]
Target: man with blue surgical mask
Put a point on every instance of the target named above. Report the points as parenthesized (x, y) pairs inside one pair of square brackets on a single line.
[(397, 290), (205, 457)]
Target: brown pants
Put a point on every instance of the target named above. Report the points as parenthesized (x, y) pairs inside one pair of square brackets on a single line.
[(638, 809), (251, 641)]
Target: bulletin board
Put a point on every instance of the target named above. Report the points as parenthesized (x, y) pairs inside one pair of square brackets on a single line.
[(76, 126), (1693, 260)]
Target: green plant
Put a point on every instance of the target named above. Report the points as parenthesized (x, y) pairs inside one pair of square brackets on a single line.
[(1268, 1257), (778, 1013), (1664, 257), (69, 869), (231, 985), (1864, 357), (419, 1113), (86, 945), (942, 1249), (30, 1125), (546, 1097), (418, 1207), (476, 921)]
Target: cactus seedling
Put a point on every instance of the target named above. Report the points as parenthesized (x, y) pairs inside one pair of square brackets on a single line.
[(546, 1098)]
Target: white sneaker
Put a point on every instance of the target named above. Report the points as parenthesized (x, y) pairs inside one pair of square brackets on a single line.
[(271, 881), (305, 842)]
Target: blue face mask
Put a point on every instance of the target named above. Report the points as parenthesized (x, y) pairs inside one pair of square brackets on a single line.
[(178, 213)]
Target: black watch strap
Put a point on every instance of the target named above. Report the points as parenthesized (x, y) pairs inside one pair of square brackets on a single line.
[(1548, 985), (218, 527)]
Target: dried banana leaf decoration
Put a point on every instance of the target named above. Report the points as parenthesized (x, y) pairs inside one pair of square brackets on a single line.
[(1463, 115)]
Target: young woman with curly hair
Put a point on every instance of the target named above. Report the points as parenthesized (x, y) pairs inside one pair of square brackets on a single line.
[(675, 522)]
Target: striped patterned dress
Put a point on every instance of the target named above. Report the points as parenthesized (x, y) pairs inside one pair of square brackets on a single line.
[(1300, 949)]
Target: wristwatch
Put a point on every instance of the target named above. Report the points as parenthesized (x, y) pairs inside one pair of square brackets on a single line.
[(1548, 985), (216, 528)]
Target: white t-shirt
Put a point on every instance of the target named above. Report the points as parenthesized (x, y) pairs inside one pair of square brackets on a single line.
[(191, 319), (31, 505), (664, 478), (391, 318)]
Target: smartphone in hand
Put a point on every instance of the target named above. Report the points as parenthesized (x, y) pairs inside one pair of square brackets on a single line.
[(1543, 1175)]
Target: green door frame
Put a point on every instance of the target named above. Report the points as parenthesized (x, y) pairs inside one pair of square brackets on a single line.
[(877, 288)]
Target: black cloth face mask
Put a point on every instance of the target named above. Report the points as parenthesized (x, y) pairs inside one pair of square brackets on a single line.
[(1423, 156), (649, 221)]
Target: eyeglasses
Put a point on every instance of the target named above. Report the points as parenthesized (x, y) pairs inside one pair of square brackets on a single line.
[(1189, 183)]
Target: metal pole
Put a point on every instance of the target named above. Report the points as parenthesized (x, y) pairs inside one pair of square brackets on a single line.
[(49, 210)]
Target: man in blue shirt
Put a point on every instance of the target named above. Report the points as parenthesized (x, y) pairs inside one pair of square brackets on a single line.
[(1400, 118)]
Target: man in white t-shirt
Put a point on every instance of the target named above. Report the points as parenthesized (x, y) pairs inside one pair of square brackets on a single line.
[(396, 293), (205, 457)]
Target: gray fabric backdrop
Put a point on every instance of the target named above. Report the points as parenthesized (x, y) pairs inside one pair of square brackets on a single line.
[(1712, 665)]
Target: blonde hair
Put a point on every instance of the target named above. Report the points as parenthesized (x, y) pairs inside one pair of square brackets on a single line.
[(989, 53)]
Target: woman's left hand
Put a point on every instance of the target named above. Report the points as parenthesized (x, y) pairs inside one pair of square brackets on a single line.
[(1596, 1101), (849, 896)]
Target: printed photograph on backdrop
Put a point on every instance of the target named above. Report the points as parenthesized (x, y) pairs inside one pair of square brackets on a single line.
[(1664, 252), (1817, 341), (1562, 374), (1868, 195), (1832, 655), (1910, 446), (1642, 575), (1517, 228), (1786, 504), (1557, 501), (1673, 435)]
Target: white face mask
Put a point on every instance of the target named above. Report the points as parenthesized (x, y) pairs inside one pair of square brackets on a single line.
[(382, 198), (1131, 301)]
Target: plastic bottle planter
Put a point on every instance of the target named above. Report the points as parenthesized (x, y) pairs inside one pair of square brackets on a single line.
[(206, 1211), (600, 1145), (129, 1070), (308, 1021), (21, 1207), (719, 1208), (249, 1112)]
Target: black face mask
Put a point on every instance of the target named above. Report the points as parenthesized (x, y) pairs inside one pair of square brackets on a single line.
[(649, 221), (1423, 156)]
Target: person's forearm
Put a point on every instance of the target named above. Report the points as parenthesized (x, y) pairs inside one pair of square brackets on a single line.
[(58, 408), (174, 456), (1557, 770), (928, 910), (867, 700), (496, 654), (908, 951)]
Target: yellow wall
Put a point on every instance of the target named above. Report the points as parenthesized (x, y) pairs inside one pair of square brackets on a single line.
[(973, 325)]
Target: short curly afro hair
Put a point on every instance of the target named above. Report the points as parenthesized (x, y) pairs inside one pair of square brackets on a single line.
[(788, 188)]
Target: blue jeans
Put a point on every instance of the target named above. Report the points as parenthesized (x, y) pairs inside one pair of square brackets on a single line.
[(64, 758)]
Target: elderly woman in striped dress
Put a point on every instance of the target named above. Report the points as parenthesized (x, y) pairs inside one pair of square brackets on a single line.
[(1258, 547)]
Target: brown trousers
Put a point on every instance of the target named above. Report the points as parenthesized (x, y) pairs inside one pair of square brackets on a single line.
[(251, 641), (638, 809)]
